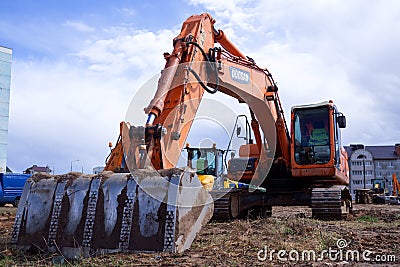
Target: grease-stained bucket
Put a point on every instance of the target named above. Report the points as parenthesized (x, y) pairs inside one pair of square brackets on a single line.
[(83, 215)]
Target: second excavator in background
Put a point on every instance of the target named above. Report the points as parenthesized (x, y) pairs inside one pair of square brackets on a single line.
[(155, 206)]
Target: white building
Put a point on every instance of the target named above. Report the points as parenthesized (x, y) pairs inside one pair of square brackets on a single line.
[(373, 164), (361, 161), (97, 170), (5, 79)]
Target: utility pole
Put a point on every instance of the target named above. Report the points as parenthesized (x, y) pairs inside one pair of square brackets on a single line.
[(72, 162)]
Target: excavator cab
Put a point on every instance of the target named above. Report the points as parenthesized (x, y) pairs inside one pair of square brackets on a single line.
[(208, 163), (379, 186), (316, 142), (312, 139)]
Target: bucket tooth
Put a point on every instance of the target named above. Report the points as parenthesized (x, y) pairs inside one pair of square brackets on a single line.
[(170, 217), (91, 212), (127, 215), (55, 215), (81, 216)]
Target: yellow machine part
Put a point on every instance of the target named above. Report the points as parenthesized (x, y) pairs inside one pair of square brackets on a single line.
[(230, 184), (207, 181)]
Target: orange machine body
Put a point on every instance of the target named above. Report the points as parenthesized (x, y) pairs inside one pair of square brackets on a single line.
[(196, 65), (396, 185)]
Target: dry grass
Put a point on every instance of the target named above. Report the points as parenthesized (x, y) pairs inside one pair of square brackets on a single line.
[(236, 243)]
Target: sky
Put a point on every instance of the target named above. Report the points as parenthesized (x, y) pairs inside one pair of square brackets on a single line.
[(77, 65)]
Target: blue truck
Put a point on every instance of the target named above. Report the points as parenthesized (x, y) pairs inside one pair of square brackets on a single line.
[(11, 186)]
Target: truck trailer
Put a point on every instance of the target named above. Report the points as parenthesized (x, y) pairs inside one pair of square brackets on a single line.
[(11, 186)]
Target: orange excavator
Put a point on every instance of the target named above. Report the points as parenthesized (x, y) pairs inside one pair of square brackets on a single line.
[(396, 186), (142, 202)]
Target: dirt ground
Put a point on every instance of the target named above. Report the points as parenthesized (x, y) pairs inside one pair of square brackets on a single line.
[(288, 238)]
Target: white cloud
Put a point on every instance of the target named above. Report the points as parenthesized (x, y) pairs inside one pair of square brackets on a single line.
[(320, 50), (128, 49), (72, 108), (60, 112), (79, 26), (127, 12), (316, 50), (232, 17)]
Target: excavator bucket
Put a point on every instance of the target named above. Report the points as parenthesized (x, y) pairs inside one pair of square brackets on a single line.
[(84, 215)]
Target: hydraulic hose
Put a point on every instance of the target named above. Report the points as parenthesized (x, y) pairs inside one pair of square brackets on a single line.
[(201, 82), (209, 62)]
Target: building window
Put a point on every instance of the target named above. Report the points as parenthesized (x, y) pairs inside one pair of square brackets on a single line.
[(368, 163), (368, 172), (390, 164), (357, 182), (357, 172), (379, 174)]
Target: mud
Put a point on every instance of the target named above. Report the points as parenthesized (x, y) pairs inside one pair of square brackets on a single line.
[(143, 173)]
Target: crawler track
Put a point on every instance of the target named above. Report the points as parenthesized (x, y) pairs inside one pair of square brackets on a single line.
[(330, 203), (222, 205)]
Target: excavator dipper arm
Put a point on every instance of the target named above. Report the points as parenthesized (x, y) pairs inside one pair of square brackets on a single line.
[(227, 70)]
